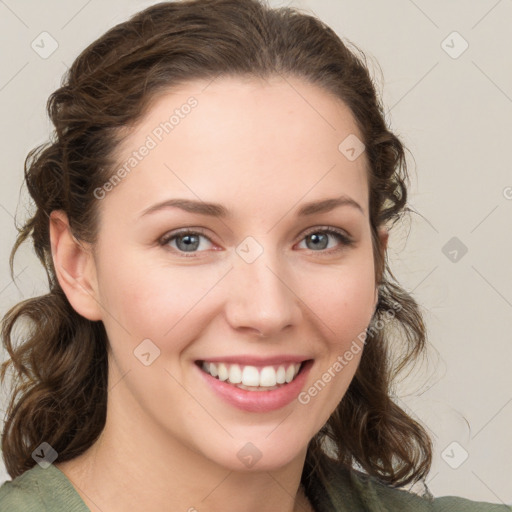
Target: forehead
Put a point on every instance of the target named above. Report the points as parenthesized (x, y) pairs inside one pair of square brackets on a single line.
[(260, 108), (233, 136)]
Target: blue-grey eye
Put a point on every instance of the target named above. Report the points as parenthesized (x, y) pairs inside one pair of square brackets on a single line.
[(186, 241), (319, 240)]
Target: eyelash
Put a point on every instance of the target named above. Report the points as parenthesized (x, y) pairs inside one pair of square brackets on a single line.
[(342, 237)]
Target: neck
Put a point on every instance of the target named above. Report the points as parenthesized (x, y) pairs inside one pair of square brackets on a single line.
[(135, 466)]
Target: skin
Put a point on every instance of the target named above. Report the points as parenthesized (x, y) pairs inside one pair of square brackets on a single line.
[(261, 149)]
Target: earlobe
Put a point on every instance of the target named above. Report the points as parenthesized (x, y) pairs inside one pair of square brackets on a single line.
[(74, 267), (384, 237), (383, 234)]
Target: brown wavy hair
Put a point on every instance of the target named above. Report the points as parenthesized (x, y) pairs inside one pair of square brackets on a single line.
[(59, 371)]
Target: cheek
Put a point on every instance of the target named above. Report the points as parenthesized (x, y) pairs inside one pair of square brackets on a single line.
[(343, 301), (343, 306), (168, 303), (153, 301)]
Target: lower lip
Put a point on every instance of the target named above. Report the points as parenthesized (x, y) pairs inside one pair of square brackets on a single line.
[(259, 401)]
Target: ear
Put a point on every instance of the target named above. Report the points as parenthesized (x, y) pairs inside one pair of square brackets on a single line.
[(74, 267), (383, 239)]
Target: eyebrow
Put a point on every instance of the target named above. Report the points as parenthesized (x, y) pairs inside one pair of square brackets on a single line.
[(217, 210)]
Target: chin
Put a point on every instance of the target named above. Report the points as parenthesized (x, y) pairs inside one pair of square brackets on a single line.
[(265, 453)]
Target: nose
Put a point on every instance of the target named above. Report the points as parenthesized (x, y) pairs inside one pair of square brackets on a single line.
[(261, 297)]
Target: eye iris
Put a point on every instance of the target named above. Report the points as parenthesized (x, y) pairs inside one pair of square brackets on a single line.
[(317, 237), (189, 242), (189, 245)]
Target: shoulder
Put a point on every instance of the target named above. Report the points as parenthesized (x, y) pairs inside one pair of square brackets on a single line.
[(453, 504), (40, 490), (21, 494), (349, 489), (393, 499)]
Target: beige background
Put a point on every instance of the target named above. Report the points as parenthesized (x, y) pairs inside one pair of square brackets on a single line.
[(454, 115)]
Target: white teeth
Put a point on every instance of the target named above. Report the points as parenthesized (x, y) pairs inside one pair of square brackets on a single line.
[(290, 373), (281, 375), (268, 377), (223, 371), (251, 377), (235, 374), (256, 388)]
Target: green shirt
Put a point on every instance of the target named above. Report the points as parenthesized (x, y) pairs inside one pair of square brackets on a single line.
[(352, 491), (49, 490)]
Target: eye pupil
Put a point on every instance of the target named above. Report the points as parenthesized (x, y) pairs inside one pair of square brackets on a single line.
[(189, 245), (318, 238), (318, 241)]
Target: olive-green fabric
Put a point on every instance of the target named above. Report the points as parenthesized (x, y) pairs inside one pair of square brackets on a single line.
[(49, 490), (41, 490), (352, 491)]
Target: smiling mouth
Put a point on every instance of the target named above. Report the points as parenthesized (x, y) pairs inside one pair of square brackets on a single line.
[(253, 378)]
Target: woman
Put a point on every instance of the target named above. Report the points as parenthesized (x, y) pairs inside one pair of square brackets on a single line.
[(213, 215)]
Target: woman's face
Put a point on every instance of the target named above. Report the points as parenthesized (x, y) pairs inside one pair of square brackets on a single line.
[(262, 279)]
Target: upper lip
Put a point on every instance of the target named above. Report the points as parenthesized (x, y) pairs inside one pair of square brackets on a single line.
[(257, 360)]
